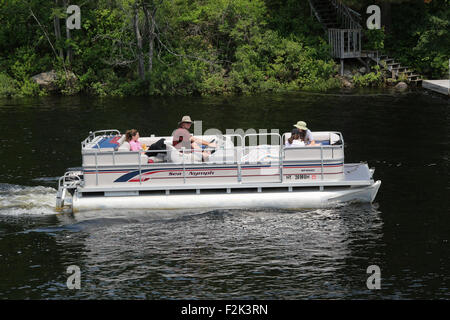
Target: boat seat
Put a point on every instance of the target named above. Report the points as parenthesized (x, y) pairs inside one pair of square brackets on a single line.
[(175, 156), (125, 146), (121, 140), (323, 138), (156, 159)]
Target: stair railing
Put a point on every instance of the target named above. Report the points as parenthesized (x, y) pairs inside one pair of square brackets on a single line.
[(316, 14), (348, 18), (345, 43)]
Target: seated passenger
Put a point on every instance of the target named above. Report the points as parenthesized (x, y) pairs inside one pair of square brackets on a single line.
[(132, 137), (297, 139), (309, 140), (182, 138)]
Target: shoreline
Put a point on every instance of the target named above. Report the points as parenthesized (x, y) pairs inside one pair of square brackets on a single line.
[(360, 91), (56, 83), (357, 92)]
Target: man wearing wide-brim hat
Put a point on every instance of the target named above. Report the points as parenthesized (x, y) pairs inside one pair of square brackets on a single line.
[(185, 119), (182, 138), (301, 125)]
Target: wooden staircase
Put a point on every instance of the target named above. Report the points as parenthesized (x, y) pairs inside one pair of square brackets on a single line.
[(333, 14), (325, 13), (344, 36), (398, 72), (342, 26)]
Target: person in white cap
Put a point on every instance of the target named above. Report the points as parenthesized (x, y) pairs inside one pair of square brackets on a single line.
[(182, 138), (309, 140)]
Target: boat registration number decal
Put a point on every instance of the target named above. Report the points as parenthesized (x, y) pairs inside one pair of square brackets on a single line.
[(298, 176)]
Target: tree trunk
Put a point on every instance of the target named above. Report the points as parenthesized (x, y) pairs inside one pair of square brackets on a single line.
[(139, 44), (69, 48), (69, 55), (151, 35), (386, 15), (57, 26)]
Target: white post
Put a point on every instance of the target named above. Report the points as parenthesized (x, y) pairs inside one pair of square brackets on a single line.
[(184, 168)]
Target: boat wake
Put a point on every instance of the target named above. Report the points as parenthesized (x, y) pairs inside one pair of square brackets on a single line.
[(26, 200)]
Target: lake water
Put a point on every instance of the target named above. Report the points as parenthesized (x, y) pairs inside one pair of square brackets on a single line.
[(230, 254)]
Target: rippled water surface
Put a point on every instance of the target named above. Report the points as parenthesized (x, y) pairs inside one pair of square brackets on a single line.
[(228, 254)]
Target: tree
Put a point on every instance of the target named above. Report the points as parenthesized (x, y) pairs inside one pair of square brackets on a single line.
[(137, 32), (57, 27), (385, 6)]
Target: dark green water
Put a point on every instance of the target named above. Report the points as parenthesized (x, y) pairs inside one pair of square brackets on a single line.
[(215, 254)]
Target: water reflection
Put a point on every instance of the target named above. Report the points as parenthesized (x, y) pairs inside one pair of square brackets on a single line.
[(221, 253)]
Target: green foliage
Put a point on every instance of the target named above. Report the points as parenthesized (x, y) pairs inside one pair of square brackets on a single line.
[(7, 86), (433, 45), (374, 39), (420, 36), (273, 63), (203, 47), (26, 63), (11, 88), (374, 78), (30, 88)]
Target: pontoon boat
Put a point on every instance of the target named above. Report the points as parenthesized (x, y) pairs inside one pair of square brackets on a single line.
[(240, 173)]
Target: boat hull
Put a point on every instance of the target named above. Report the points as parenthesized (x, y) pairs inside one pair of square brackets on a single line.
[(329, 197)]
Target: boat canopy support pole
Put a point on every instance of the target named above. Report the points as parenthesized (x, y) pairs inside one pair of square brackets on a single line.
[(184, 167), (140, 167), (321, 162), (96, 169)]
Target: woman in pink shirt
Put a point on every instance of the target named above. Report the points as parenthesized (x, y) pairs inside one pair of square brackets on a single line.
[(132, 137)]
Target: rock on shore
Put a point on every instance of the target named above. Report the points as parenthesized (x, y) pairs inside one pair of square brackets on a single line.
[(49, 80), (46, 80), (401, 86), (345, 83)]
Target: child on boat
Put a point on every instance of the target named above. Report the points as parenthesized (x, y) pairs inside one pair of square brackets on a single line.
[(132, 137), (297, 139)]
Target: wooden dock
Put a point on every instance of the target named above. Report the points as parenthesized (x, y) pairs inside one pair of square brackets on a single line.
[(441, 86)]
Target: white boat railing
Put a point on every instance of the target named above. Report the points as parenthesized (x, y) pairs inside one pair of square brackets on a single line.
[(271, 134), (238, 152), (103, 133), (69, 180), (322, 147)]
